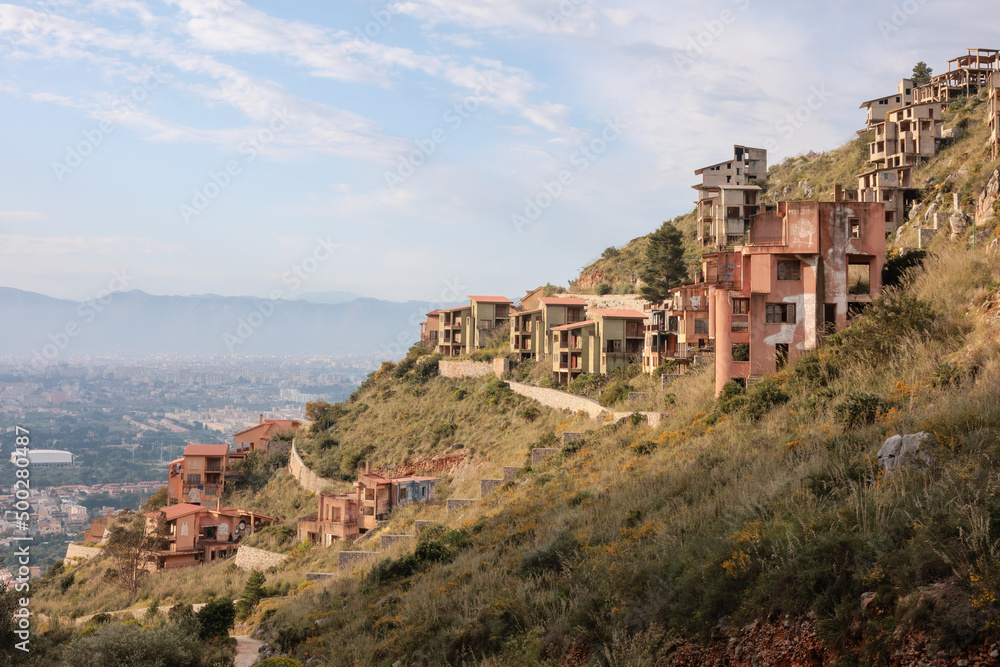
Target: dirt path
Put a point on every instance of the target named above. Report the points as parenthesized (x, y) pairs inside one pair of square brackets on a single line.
[(246, 651)]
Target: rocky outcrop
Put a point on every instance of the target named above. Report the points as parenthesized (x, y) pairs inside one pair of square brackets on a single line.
[(987, 200), (786, 642), (903, 450)]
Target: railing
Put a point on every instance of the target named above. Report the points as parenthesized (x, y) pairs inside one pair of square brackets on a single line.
[(213, 467)]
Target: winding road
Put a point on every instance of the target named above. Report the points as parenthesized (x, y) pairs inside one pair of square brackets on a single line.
[(246, 651)]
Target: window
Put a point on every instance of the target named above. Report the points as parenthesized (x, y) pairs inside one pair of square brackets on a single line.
[(194, 479), (788, 270), (855, 226), (780, 313), (741, 306), (701, 326)]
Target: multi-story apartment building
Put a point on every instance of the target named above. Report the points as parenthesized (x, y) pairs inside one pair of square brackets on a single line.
[(200, 476), (908, 136), (880, 107), (336, 519), (802, 271), (610, 339), (465, 329), (378, 495), (677, 328), (195, 534), (429, 328), (726, 200), (529, 334)]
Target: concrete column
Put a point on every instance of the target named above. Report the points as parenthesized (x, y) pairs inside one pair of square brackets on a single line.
[(723, 340)]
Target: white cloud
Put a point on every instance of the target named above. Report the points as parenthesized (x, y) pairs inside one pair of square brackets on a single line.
[(21, 216), (22, 245)]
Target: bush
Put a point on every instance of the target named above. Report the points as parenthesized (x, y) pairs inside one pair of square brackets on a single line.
[(602, 289), (216, 619), (947, 375), (129, 644), (741, 352), (762, 397), (529, 413), (253, 591), (586, 384), (616, 393), (551, 556), (459, 394), (279, 662), (859, 409)]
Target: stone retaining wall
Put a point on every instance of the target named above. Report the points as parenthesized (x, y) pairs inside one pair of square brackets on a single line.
[(390, 540), (306, 478), (455, 504), (510, 473), (569, 437), (250, 558), (466, 368), (420, 524), (540, 454), (319, 576), (653, 419), (347, 559), (559, 400), (668, 378), (488, 486), (80, 551)]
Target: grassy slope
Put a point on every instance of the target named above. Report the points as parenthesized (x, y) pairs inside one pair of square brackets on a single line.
[(715, 516)]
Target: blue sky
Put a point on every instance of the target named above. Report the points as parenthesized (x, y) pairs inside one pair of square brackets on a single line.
[(412, 149)]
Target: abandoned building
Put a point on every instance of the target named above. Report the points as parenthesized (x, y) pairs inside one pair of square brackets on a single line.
[(199, 476), (336, 519), (803, 270), (261, 436), (194, 534), (610, 339), (677, 328), (727, 199), (529, 334), (965, 76), (994, 114)]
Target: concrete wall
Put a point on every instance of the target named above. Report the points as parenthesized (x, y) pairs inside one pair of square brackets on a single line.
[(466, 368), (570, 436), (306, 478), (389, 540), (558, 400), (348, 559), (488, 486), (420, 524), (510, 473), (540, 454), (455, 504), (80, 551), (249, 558), (319, 576)]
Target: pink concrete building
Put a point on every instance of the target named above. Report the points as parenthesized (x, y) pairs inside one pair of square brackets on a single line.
[(802, 271)]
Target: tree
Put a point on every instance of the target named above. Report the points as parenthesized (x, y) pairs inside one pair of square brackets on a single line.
[(253, 591), (129, 548), (217, 618), (320, 413), (665, 267), (157, 501), (921, 73)]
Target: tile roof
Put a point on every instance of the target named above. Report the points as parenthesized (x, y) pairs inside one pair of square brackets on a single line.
[(556, 301), (206, 450), (574, 325), (621, 313), (490, 299)]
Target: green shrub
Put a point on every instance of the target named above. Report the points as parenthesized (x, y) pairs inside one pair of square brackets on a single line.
[(279, 662), (586, 384), (550, 556), (860, 409), (614, 394), (666, 367), (459, 394), (216, 619), (741, 352), (947, 375), (530, 413), (129, 644), (602, 289), (763, 396)]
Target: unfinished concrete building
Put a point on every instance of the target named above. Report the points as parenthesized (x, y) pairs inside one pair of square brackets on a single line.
[(966, 75), (726, 199), (994, 114), (678, 328), (908, 137), (802, 271), (880, 107)]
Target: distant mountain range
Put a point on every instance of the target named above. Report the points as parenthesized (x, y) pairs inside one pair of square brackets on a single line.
[(134, 323)]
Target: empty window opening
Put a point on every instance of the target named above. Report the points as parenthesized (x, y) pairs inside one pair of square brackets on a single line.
[(855, 227), (780, 355), (741, 352), (858, 279), (780, 313)]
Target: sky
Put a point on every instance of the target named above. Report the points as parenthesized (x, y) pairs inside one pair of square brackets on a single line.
[(419, 149)]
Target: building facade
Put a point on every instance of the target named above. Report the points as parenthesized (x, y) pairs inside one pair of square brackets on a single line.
[(804, 269), (726, 199), (194, 534), (529, 334), (678, 328)]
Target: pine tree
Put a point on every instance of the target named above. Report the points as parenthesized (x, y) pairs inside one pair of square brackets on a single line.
[(665, 267), (253, 591), (921, 73)]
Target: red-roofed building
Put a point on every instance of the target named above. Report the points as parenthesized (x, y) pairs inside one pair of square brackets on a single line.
[(465, 329), (200, 476), (262, 435), (195, 534), (429, 328), (529, 334)]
